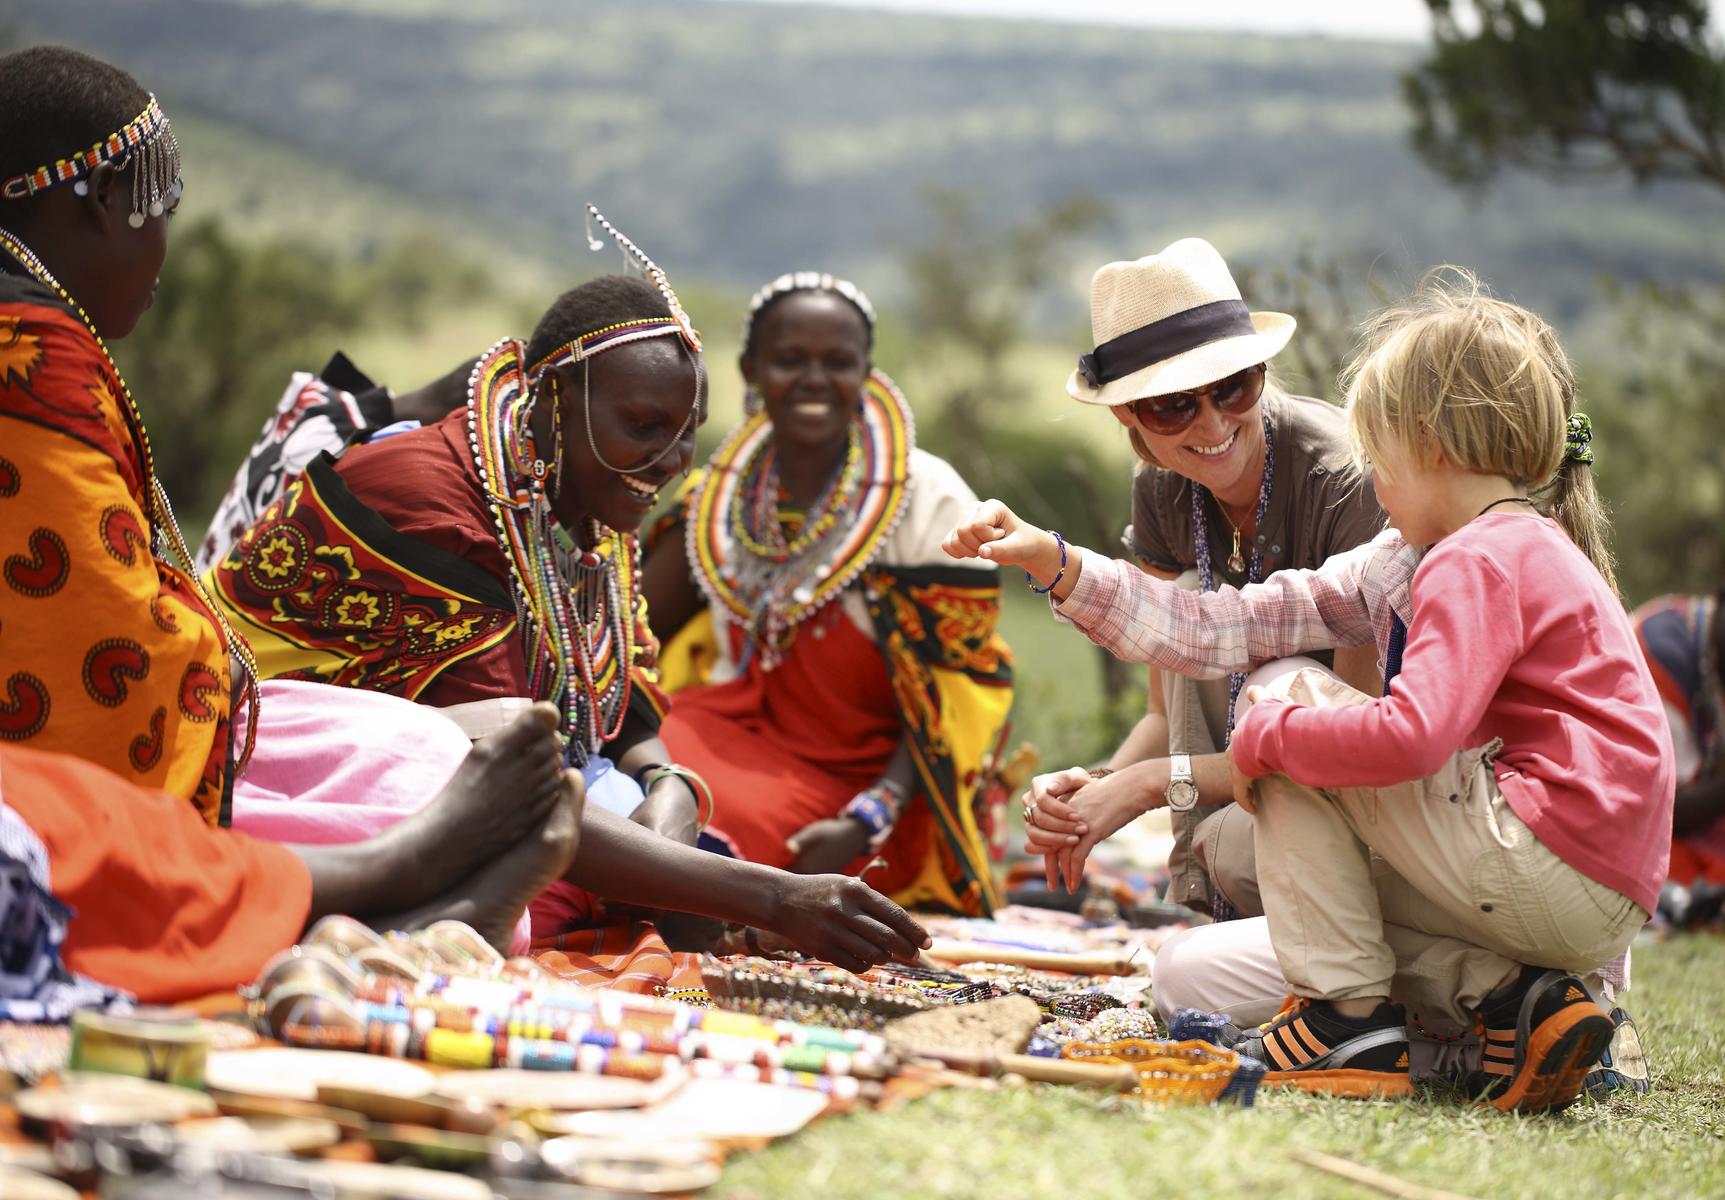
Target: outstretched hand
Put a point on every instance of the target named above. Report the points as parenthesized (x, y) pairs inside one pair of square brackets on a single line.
[(846, 922), (995, 533)]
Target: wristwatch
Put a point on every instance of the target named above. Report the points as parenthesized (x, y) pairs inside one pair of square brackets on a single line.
[(1182, 792)]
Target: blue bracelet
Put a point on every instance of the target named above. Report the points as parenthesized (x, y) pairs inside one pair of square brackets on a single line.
[(1058, 575), (873, 808)]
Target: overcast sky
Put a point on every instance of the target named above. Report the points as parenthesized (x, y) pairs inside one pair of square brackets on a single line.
[(1378, 20), (1401, 20)]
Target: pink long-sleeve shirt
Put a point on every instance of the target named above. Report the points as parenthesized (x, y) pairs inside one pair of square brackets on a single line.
[(1514, 636)]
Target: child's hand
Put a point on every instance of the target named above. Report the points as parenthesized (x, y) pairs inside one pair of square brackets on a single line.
[(1243, 794), (994, 532)]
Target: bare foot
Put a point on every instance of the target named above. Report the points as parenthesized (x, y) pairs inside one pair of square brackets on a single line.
[(501, 793), (493, 897)]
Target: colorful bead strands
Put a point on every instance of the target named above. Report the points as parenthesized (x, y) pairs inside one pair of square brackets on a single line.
[(160, 513), (478, 1023), (498, 997), (1255, 565), (758, 516), (577, 615), (766, 586), (1220, 908)]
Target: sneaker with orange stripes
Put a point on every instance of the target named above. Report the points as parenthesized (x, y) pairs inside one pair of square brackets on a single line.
[(1542, 1034), (1312, 1047)]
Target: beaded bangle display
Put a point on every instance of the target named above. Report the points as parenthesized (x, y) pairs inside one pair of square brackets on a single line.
[(1058, 575), (656, 771)]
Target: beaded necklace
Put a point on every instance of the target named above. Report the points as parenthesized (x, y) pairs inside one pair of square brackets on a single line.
[(757, 508), (770, 583), (1254, 565), (160, 513), (1220, 908), (576, 606)]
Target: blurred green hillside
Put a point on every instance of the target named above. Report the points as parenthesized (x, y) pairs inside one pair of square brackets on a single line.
[(402, 179), (737, 141)]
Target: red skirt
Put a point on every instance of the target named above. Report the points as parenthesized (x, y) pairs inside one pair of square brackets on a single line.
[(788, 747)]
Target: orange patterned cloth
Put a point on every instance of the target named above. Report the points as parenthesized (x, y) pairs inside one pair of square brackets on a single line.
[(162, 905), (106, 651), (620, 958)]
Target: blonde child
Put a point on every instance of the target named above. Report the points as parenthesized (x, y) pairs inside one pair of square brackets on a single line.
[(1499, 820)]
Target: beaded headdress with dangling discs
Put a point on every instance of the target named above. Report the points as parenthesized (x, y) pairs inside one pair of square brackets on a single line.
[(148, 139), (577, 606)]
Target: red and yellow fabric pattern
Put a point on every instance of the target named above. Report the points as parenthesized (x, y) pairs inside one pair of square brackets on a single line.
[(108, 652)]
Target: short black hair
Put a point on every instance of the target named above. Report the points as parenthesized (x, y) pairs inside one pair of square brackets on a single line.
[(56, 102), (607, 300)]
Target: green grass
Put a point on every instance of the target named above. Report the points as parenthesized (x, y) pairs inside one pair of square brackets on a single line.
[(1061, 1143)]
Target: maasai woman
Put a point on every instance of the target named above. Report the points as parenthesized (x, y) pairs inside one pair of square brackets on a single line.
[(856, 678), (1239, 480), (488, 560), (112, 654)]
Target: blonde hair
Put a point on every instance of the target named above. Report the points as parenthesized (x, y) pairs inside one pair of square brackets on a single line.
[(1487, 383)]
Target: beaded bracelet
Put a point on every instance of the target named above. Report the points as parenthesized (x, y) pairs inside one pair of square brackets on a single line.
[(876, 809), (1058, 575), (697, 786)]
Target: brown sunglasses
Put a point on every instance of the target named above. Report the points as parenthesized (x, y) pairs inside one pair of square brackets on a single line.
[(1171, 414)]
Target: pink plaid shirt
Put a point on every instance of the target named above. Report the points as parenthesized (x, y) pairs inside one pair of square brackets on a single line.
[(1348, 601)]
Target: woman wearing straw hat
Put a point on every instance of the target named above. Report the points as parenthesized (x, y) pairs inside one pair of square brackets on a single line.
[(1240, 479)]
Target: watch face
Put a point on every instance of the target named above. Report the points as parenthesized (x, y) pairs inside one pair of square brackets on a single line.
[(1182, 795)]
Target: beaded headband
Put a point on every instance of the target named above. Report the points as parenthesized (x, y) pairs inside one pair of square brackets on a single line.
[(610, 337), (624, 332), (633, 257), (808, 281), (154, 184)]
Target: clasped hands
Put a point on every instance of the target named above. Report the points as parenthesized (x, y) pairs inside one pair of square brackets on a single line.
[(1067, 813)]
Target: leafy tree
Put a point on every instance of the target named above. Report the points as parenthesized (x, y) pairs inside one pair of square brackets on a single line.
[(233, 318), (1588, 89), (1328, 297), (975, 289), (1657, 431), (1571, 89)]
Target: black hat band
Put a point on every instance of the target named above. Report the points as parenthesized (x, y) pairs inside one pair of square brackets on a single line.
[(1139, 348)]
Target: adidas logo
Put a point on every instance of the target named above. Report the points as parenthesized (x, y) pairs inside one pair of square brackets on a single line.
[(1402, 1062), (1574, 995)]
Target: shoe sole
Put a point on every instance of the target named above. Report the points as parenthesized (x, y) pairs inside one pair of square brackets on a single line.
[(1354, 1084), (1560, 1053)]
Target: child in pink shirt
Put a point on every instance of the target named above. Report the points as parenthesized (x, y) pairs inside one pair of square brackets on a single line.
[(1499, 820)]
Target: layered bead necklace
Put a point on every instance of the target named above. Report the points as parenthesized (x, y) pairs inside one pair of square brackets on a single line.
[(770, 581), (757, 508), (164, 528), (576, 605)]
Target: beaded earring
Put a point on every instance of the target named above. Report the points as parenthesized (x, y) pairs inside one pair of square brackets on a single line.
[(752, 401)]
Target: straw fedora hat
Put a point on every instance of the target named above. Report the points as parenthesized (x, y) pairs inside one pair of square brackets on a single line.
[(1169, 323)]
